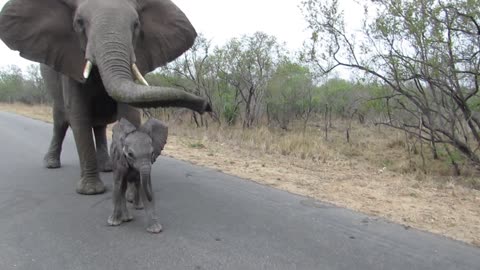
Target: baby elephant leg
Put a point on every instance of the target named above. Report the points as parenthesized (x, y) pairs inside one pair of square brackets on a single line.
[(153, 225), (120, 211), (136, 200)]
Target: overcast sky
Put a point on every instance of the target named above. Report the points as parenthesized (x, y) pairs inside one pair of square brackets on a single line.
[(221, 20)]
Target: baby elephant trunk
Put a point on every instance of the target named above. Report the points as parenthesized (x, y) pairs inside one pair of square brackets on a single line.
[(146, 183)]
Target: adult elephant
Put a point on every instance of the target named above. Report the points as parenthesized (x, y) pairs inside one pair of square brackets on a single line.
[(94, 50)]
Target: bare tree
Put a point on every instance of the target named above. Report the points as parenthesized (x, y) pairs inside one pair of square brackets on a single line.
[(426, 51)]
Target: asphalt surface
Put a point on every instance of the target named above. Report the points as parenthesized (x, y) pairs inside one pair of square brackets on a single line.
[(211, 221)]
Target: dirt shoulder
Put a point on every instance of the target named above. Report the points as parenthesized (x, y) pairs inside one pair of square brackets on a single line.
[(449, 210)]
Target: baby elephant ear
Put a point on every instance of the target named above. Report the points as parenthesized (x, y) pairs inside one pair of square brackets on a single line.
[(158, 131), (121, 129)]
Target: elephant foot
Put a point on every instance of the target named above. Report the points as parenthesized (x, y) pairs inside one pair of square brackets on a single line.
[(104, 165), (117, 219), (114, 221), (155, 228), (90, 186), (51, 161)]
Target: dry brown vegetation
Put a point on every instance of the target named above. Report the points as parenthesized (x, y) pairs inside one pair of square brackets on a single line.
[(39, 112), (374, 174)]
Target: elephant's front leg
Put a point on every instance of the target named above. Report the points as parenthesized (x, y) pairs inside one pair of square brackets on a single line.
[(137, 202), (103, 158), (90, 182), (153, 226), (120, 212), (78, 100)]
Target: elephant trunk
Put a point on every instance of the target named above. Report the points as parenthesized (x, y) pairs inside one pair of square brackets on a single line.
[(115, 66), (145, 181)]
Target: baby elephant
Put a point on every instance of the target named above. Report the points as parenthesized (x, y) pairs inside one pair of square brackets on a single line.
[(133, 151)]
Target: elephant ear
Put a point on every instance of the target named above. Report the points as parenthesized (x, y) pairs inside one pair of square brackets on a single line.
[(158, 131), (166, 33), (120, 131), (42, 31)]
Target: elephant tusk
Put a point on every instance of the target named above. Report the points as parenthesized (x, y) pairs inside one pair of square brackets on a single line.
[(87, 69), (138, 75)]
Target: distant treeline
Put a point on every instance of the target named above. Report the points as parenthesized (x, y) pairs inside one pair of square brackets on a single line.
[(25, 87), (287, 95)]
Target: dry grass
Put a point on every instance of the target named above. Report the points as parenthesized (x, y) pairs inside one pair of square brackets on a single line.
[(39, 112), (373, 174), (381, 148)]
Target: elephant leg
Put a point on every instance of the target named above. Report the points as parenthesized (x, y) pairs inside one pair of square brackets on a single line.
[(120, 212), (104, 162), (90, 182), (126, 216), (137, 202), (79, 103), (60, 125), (153, 225)]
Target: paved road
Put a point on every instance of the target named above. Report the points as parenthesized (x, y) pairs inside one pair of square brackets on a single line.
[(211, 221)]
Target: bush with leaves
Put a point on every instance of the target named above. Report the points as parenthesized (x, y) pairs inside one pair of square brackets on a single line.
[(290, 94)]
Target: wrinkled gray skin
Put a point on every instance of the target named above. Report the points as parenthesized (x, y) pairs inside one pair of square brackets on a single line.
[(113, 35), (61, 123), (133, 152)]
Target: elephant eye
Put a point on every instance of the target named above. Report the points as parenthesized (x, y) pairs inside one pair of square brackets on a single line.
[(136, 24), (79, 25), (131, 155)]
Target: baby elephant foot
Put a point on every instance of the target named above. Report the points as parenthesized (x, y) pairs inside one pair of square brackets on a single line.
[(113, 220), (154, 228), (117, 219), (90, 186), (51, 161)]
